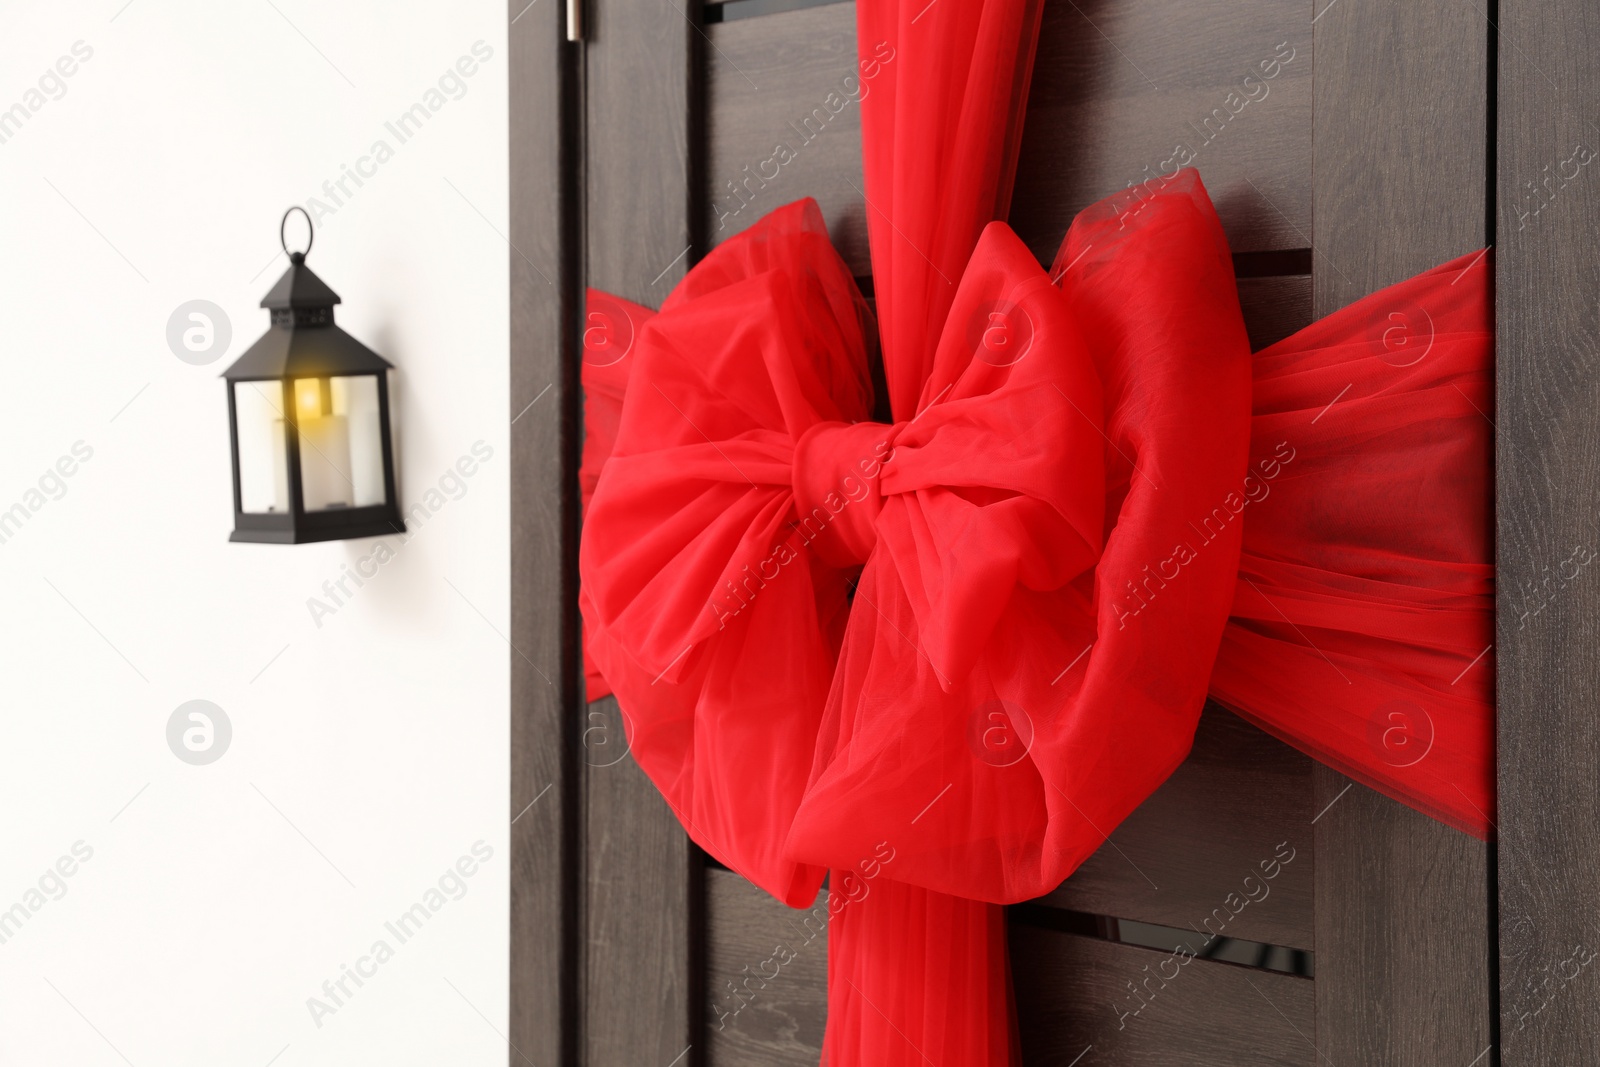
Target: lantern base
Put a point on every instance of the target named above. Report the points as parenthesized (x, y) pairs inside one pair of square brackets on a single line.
[(378, 528)]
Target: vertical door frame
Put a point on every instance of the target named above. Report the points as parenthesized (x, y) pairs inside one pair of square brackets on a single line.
[(1401, 181), (545, 657), (606, 889), (1547, 276), (641, 883)]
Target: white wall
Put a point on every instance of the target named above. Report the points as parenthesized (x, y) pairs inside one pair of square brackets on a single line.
[(368, 753)]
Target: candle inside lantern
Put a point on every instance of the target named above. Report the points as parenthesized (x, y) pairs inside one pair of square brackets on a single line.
[(263, 462), (341, 442), (325, 480)]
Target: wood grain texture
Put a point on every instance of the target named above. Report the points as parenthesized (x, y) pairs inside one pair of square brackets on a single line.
[(1120, 87), (641, 64), (727, 10), (1547, 278), (1402, 902), (544, 673), (768, 82), (1091, 1003), (1191, 856), (640, 994), (766, 976)]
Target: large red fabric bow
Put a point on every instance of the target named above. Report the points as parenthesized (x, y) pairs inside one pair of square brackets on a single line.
[(943, 654)]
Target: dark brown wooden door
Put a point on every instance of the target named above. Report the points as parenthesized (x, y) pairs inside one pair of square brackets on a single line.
[(1347, 144)]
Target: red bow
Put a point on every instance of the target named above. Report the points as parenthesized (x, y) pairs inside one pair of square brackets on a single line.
[(1019, 672), (746, 485)]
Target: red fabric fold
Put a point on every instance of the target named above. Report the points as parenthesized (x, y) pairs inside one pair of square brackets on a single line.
[(1363, 621), (611, 325), (711, 618), (939, 138)]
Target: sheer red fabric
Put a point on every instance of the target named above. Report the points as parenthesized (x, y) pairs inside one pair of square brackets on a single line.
[(1363, 621), (943, 656), (610, 326)]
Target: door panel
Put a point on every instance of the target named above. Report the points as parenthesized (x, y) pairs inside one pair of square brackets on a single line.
[(1181, 859), (1082, 1000), (766, 975), (679, 118), (640, 895), (1403, 915), (769, 84), (1547, 277), (1119, 86), (1204, 835)]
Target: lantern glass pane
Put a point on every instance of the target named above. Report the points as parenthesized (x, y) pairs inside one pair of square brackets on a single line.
[(341, 442), (263, 456)]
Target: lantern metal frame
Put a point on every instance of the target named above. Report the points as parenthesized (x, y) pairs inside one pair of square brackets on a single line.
[(302, 342)]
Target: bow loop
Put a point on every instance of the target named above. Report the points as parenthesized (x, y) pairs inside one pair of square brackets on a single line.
[(692, 518)]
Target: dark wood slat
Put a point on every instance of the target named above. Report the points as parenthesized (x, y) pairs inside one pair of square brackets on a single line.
[(1547, 280), (768, 82), (766, 976), (1075, 1007), (544, 676), (766, 75), (1403, 938), (1191, 856), (728, 10), (1097, 120), (640, 994), (1274, 308)]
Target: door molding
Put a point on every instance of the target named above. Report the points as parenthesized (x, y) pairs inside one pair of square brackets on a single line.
[(545, 653)]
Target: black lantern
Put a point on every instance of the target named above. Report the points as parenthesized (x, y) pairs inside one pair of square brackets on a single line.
[(308, 410)]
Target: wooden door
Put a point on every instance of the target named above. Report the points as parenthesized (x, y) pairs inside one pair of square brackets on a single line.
[(1347, 144)]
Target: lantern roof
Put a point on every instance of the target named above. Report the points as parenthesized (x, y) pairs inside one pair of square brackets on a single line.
[(299, 288), (302, 341), (305, 352)]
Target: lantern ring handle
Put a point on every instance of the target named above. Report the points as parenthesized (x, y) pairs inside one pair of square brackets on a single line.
[(311, 231)]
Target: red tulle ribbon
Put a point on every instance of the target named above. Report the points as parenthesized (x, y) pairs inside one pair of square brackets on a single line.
[(944, 654)]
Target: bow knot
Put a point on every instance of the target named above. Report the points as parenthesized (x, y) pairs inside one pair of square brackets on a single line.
[(838, 488)]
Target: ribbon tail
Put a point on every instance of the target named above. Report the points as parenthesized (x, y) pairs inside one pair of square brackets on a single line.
[(1363, 624), (916, 977)]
